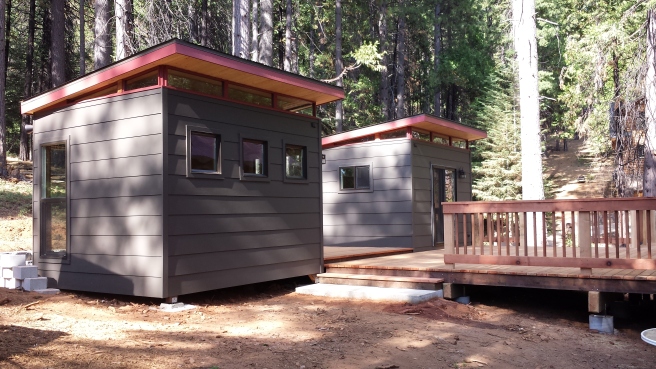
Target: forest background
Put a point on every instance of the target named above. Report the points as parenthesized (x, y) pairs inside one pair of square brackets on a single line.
[(394, 58)]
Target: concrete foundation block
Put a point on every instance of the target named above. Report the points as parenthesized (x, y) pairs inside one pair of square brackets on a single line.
[(11, 260), (33, 284), (7, 273), (48, 291), (25, 271), (453, 291), (12, 283)]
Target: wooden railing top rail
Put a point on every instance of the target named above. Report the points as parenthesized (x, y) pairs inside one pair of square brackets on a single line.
[(599, 204)]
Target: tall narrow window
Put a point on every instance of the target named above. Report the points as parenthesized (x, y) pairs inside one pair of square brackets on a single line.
[(355, 178), (204, 152), (295, 162), (53, 201), (254, 156)]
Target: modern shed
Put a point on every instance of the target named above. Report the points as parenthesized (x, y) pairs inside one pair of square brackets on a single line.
[(178, 170), (383, 185)]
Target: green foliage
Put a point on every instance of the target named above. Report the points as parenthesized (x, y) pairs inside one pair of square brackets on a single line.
[(497, 176)]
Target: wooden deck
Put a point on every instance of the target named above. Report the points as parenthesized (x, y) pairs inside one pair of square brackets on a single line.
[(430, 264), (335, 254)]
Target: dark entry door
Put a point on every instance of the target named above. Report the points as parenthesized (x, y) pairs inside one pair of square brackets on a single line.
[(444, 190)]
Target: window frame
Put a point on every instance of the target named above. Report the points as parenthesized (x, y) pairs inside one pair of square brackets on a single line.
[(356, 190), (267, 159), (43, 256), (287, 179), (218, 154)]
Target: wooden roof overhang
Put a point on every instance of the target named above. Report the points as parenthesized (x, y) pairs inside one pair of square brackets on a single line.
[(186, 56), (422, 121)]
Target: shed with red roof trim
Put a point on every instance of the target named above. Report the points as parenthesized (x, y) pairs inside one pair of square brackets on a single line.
[(383, 185), (177, 170)]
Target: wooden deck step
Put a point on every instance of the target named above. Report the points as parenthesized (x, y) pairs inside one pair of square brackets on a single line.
[(334, 254), (390, 271), (418, 283)]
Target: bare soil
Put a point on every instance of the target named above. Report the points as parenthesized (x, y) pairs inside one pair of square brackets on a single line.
[(269, 326)]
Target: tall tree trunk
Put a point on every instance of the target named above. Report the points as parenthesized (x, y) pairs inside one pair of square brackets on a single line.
[(83, 64), (400, 67), (287, 65), (384, 74), (437, 42), (102, 47), (339, 66), (24, 153), (8, 37), (244, 29), (57, 46), (649, 174), (236, 42), (527, 65), (3, 107), (44, 46), (203, 23), (254, 30), (265, 53), (311, 45), (121, 13)]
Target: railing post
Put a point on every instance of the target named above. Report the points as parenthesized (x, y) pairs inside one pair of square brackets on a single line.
[(634, 234), (449, 241), (583, 239)]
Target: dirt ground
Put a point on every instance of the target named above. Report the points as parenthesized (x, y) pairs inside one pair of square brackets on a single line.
[(269, 326)]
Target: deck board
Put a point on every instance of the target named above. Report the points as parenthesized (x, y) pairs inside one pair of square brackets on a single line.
[(432, 263)]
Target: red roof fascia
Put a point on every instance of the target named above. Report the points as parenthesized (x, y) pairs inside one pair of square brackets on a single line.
[(268, 73), (396, 124), (152, 57), (96, 79)]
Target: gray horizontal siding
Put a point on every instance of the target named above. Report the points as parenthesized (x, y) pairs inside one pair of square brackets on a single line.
[(368, 230), (236, 277), (135, 166), (107, 283), (118, 148), (230, 187), (227, 231), (110, 264), (382, 217), (356, 219), (218, 224), (382, 207), (235, 259), (115, 190), (195, 205), (117, 245), (115, 187), (369, 241), (118, 206), (117, 226), (211, 243)]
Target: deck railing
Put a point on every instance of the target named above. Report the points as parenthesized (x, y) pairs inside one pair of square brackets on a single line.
[(583, 233)]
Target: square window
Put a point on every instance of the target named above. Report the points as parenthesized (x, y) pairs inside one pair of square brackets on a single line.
[(254, 155), (399, 133), (204, 149), (145, 80), (421, 135), (295, 162), (355, 178)]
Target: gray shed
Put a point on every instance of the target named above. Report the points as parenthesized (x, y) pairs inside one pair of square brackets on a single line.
[(383, 185), (177, 170)]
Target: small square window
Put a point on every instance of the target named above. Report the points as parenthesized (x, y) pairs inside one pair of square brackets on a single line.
[(254, 156), (355, 178), (295, 162), (204, 150)]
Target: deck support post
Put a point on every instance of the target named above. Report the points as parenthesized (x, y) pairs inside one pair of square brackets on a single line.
[(583, 239), (449, 241), (597, 301), (453, 291)]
